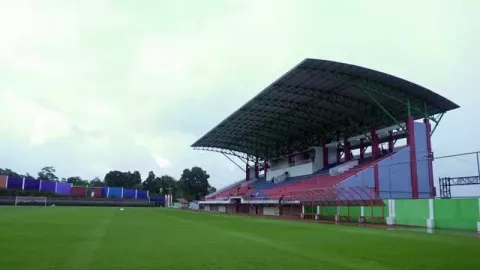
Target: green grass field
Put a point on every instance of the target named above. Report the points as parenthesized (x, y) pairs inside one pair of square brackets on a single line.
[(151, 238)]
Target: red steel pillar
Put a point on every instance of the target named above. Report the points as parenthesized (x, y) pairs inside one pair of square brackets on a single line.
[(362, 149), (376, 180), (265, 168), (375, 149), (338, 153), (390, 142), (413, 156), (428, 128), (325, 155), (346, 149)]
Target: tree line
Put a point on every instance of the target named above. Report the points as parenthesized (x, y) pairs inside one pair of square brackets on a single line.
[(192, 185)]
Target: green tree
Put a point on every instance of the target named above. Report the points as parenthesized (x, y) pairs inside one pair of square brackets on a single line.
[(123, 179), (211, 189), (96, 182), (194, 183), (149, 183), (47, 173), (77, 181), (166, 185), (11, 173), (134, 179)]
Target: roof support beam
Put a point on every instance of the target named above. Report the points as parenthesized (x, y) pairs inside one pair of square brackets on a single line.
[(221, 150), (292, 122), (386, 111), (326, 95), (240, 145), (373, 87), (437, 122), (233, 162), (329, 116), (288, 122)]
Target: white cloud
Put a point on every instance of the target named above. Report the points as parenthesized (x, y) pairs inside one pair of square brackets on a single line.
[(161, 162), (40, 124)]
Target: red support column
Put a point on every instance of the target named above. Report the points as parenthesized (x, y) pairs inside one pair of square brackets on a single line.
[(257, 171), (413, 157), (362, 149), (265, 168), (375, 150), (346, 149), (390, 142), (376, 180), (325, 155), (338, 154), (428, 128)]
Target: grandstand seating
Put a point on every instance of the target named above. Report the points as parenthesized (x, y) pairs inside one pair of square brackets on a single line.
[(319, 181), (261, 189)]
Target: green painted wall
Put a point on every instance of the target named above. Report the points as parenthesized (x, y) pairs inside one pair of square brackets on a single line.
[(377, 212), (355, 212), (310, 209), (459, 214), (411, 212), (328, 212)]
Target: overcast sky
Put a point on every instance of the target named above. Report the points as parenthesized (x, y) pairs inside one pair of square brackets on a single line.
[(91, 86)]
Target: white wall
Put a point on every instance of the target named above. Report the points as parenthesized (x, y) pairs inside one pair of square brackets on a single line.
[(222, 208), (193, 205), (332, 154), (251, 172), (270, 211), (206, 207), (318, 163), (303, 169)]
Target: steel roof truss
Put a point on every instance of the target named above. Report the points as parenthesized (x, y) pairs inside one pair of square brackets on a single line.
[(364, 84), (323, 95)]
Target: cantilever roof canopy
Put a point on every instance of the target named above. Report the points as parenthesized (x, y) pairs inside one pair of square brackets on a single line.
[(320, 101)]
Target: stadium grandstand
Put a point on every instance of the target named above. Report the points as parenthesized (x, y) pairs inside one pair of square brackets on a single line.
[(328, 140)]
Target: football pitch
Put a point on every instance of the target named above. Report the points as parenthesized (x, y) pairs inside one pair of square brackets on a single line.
[(153, 238)]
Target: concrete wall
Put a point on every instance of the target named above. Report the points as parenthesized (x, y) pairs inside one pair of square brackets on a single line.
[(362, 178), (458, 214), (332, 154), (318, 163), (422, 159), (270, 210), (394, 175), (298, 170), (411, 212)]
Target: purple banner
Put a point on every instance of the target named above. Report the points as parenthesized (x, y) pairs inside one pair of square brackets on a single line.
[(115, 192), (48, 186), (15, 183), (64, 188), (31, 184), (128, 193), (142, 194), (105, 192)]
